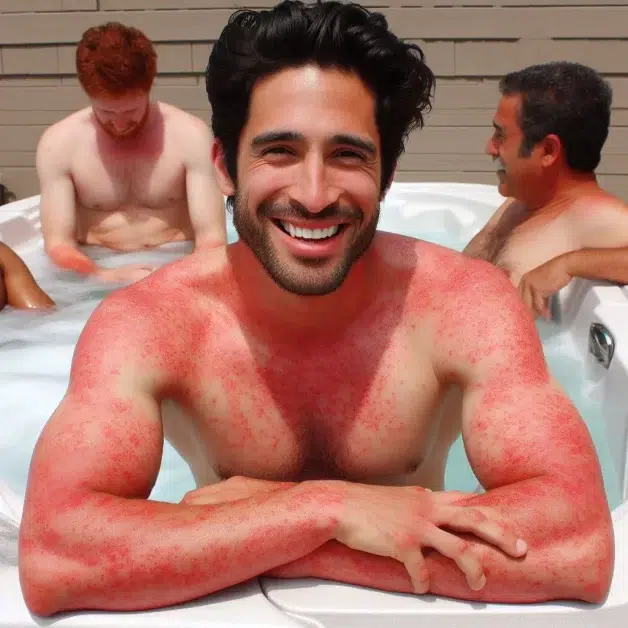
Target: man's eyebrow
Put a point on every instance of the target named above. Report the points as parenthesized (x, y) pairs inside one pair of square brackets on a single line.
[(292, 136), (498, 127), (276, 136), (355, 141)]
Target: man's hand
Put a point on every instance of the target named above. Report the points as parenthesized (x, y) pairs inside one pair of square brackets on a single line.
[(124, 274), (539, 284), (399, 522), (231, 490)]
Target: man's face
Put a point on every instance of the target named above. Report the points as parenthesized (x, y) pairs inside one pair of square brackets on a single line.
[(121, 116), (308, 190), (515, 173)]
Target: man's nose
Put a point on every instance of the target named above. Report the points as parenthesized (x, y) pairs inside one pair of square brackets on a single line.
[(491, 149), (312, 188)]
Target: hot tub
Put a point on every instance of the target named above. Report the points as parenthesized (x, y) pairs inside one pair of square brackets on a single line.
[(586, 347)]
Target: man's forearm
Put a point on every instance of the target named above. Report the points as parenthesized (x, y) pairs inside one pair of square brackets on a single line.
[(570, 552), (606, 264), (105, 552)]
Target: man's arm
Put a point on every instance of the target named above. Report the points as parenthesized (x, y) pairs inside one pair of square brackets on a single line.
[(22, 291), (606, 264), (90, 538), (205, 201), (58, 204), (529, 449)]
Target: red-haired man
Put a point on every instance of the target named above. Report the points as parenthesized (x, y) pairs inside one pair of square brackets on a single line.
[(126, 173)]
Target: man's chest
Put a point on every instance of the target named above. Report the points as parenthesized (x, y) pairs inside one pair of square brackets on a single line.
[(361, 413), (112, 180), (521, 247)]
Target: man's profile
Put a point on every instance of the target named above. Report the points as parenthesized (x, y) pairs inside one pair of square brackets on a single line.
[(557, 223), (305, 365), (127, 172)]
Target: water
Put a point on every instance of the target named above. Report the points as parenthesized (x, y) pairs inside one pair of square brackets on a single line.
[(36, 351)]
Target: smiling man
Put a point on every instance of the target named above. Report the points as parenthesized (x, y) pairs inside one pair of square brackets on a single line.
[(308, 366), (126, 173), (549, 129)]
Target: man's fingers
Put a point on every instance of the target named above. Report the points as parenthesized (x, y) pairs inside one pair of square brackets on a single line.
[(468, 519), (461, 552), (540, 305), (416, 567)]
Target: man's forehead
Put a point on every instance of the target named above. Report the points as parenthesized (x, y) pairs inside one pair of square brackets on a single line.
[(313, 102)]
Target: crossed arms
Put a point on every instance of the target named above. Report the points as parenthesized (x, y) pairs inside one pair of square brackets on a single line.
[(91, 539)]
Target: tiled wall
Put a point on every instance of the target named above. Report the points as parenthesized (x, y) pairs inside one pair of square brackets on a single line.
[(468, 43)]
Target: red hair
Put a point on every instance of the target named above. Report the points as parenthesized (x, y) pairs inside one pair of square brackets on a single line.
[(112, 59)]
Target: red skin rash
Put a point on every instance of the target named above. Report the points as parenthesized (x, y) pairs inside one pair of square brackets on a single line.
[(531, 453), (69, 258), (90, 539)]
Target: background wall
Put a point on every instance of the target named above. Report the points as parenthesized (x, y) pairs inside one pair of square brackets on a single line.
[(468, 44)]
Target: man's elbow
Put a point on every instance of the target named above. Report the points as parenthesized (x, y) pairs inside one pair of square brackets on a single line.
[(592, 562), (42, 585)]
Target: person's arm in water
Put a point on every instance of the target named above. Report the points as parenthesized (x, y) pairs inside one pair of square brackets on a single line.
[(528, 447), (90, 538), (18, 287), (205, 200), (58, 203)]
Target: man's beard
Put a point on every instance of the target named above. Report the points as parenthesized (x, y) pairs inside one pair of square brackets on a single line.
[(131, 131), (303, 276)]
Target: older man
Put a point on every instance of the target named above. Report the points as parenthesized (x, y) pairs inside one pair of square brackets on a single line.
[(558, 223)]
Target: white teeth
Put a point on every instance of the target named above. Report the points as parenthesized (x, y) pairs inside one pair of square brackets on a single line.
[(309, 234), (500, 165)]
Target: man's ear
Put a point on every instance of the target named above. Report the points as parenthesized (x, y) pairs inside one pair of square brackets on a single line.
[(552, 149), (226, 185)]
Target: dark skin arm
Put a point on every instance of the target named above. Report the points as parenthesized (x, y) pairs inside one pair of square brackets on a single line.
[(18, 287)]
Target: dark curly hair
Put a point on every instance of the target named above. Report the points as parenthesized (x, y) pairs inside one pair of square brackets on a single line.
[(567, 99), (256, 44)]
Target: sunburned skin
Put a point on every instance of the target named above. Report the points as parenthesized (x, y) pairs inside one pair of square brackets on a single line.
[(326, 417), (276, 411)]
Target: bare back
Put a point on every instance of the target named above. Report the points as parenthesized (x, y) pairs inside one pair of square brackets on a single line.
[(517, 240), (132, 193)]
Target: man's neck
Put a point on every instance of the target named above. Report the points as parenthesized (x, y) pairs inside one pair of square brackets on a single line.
[(561, 193), (295, 315)]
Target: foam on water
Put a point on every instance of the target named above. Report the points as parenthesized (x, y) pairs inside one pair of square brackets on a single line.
[(36, 352)]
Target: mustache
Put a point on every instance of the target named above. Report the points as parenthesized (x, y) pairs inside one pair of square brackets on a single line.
[(294, 209)]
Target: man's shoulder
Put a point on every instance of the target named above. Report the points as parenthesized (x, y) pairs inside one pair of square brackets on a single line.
[(181, 119), (65, 132)]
